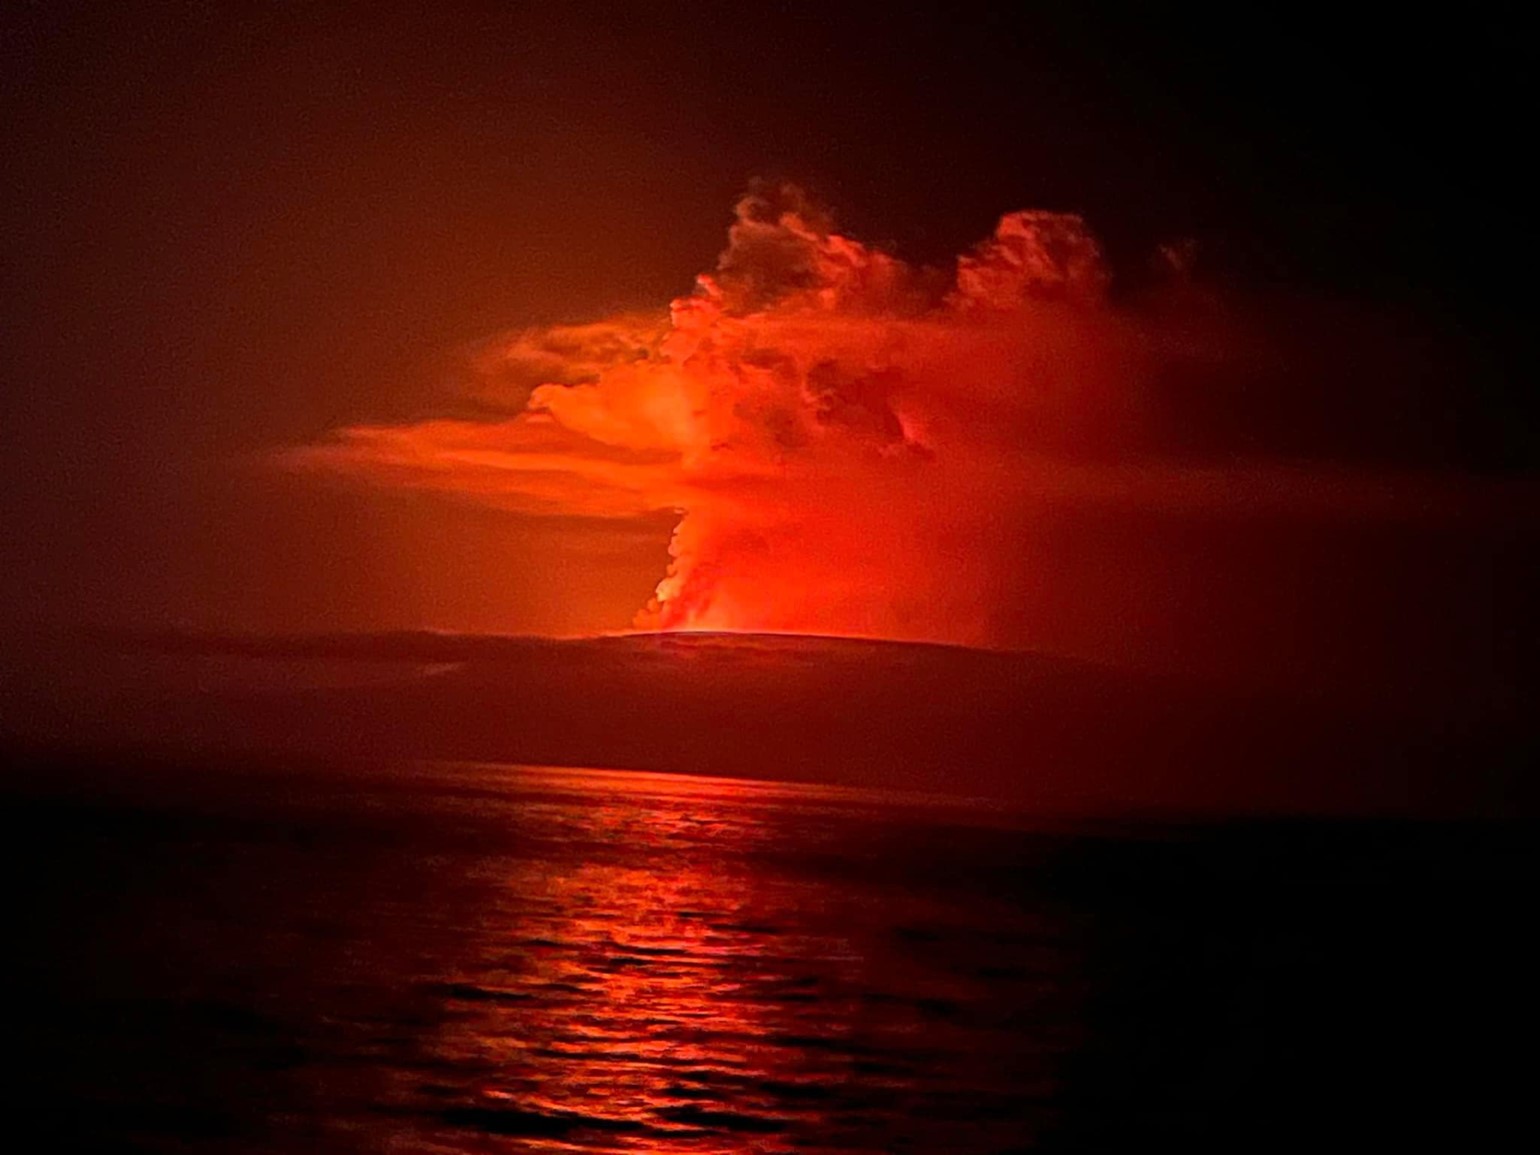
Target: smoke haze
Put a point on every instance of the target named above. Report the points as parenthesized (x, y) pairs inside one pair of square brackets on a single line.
[(1020, 451)]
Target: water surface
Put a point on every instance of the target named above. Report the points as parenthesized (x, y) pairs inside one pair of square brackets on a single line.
[(470, 958)]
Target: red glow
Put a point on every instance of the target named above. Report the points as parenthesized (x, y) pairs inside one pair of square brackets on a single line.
[(853, 445)]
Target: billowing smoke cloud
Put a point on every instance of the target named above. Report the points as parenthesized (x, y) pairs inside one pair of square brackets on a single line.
[(854, 445)]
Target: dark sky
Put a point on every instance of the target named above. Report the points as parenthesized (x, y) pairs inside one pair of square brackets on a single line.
[(230, 228)]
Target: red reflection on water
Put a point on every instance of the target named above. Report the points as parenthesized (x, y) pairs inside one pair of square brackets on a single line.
[(647, 1007)]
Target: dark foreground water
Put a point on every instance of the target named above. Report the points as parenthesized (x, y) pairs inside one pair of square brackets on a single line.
[(483, 959)]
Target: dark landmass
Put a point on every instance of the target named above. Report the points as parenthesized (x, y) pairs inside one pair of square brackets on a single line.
[(1048, 734)]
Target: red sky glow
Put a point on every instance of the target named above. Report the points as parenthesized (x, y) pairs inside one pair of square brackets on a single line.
[(854, 445)]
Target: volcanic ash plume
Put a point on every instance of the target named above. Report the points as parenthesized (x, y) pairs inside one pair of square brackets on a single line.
[(852, 445)]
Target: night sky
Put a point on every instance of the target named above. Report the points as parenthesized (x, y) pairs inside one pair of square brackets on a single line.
[(228, 230), (1077, 675)]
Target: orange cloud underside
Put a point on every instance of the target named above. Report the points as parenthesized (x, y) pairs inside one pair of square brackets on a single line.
[(851, 445)]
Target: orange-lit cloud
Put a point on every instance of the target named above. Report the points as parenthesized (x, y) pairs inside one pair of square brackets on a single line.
[(854, 445)]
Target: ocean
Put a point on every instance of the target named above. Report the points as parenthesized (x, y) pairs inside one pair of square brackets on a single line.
[(451, 957)]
